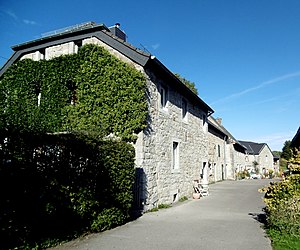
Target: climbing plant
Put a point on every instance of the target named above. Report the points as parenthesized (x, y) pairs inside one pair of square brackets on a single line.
[(110, 95), (59, 171)]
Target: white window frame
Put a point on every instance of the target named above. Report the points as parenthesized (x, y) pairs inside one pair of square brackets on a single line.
[(175, 156), (164, 98), (204, 122)]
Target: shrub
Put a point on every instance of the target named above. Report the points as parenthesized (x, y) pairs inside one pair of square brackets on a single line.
[(55, 186), (286, 217), (183, 198), (283, 203), (107, 219)]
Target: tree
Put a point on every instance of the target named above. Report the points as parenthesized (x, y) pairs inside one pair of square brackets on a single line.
[(277, 153), (188, 83), (286, 150)]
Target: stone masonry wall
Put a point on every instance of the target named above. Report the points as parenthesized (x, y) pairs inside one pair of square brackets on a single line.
[(265, 160), (216, 161), (155, 146)]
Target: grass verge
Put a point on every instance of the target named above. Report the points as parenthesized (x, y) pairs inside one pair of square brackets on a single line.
[(282, 241)]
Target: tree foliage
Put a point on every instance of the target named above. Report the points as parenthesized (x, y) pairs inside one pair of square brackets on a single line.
[(188, 83), (276, 153), (286, 150)]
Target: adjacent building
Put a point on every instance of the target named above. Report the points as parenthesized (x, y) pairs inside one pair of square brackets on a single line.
[(259, 156)]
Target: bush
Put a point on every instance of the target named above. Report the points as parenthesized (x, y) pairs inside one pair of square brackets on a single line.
[(56, 186), (286, 218), (283, 206), (279, 192), (107, 219)]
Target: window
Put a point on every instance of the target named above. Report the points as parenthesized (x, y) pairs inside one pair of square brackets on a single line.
[(219, 151), (42, 53), (203, 120), (163, 97), (72, 92), (38, 93), (184, 109), (266, 158), (175, 156), (204, 123), (77, 45)]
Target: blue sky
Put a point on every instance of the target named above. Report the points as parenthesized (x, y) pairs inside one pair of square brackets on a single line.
[(244, 56)]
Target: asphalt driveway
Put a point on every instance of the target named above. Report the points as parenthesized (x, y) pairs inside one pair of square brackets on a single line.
[(224, 220)]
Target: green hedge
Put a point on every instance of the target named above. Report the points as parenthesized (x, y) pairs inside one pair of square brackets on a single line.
[(53, 186), (55, 182)]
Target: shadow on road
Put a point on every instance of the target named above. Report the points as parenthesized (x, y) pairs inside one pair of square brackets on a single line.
[(260, 217)]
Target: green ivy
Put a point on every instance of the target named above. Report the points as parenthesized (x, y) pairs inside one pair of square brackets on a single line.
[(54, 184), (110, 95)]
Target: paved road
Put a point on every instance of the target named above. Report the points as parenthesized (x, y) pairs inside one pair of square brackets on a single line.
[(224, 220)]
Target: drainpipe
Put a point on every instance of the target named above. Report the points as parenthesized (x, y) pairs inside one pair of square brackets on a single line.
[(225, 167)]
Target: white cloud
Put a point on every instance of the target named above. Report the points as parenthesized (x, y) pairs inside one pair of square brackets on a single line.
[(259, 86), (275, 141), (11, 14), (16, 18), (155, 46), (29, 22)]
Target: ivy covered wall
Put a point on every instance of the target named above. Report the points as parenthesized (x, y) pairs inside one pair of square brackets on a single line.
[(108, 95), (57, 185)]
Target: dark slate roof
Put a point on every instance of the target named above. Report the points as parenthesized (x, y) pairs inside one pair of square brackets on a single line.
[(100, 31), (296, 140), (219, 130), (253, 147)]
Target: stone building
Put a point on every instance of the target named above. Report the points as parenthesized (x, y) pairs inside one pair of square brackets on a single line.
[(226, 154), (259, 156), (172, 151)]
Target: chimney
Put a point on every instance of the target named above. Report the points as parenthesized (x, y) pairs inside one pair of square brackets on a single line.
[(117, 32), (219, 120)]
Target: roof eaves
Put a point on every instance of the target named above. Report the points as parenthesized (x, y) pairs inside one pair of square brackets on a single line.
[(68, 33), (194, 97), (124, 48)]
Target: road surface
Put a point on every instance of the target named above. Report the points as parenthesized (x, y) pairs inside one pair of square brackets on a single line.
[(226, 219)]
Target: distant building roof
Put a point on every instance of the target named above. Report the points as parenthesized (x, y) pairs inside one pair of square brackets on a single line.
[(253, 147), (215, 125)]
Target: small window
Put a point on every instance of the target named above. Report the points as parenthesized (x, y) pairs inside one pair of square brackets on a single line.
[(219, 151), (77, 45), (203, 120), (38, 93), (163, 97), (266, 158), (175, 153), (184, 109), (42, 53), (72, 92)]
